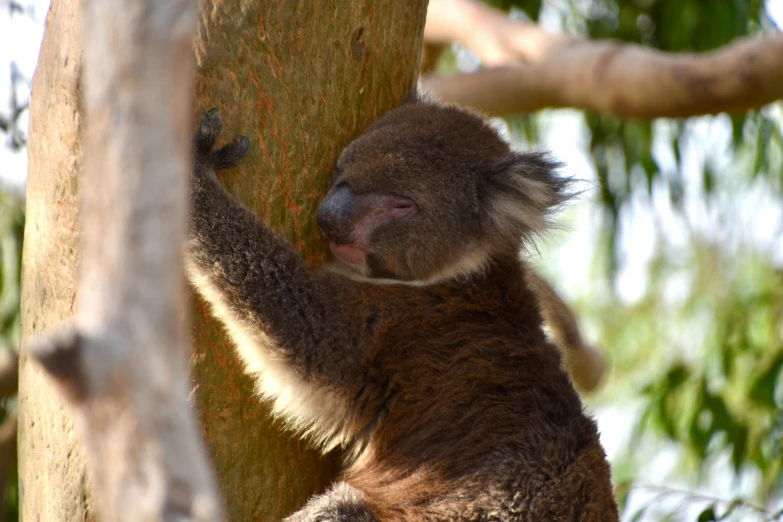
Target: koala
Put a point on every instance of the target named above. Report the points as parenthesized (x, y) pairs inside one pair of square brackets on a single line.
[(420, 351), (584, 363)]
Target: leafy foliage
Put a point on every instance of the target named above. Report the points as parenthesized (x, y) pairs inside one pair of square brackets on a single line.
[(697, 353), (11, 234), (716, 389), (669, 25), (711, 364)]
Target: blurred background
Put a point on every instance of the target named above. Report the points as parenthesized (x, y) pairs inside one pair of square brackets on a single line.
[(21, 29), (672, 258)]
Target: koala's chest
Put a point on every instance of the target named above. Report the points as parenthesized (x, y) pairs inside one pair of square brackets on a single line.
[(438, 325), (451, 348), (465, 344)]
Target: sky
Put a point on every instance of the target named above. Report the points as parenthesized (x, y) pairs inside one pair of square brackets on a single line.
[(20, 39)]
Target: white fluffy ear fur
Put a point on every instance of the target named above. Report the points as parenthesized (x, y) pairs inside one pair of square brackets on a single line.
[(523, 190)]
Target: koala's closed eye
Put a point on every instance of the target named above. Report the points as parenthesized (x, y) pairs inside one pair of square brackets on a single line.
[(421, 352), (335, 177), (473, 197)]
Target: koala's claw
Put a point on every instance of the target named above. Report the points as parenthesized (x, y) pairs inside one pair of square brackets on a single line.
[(208, 131), (230, 155), (243, 142), (226, 157)]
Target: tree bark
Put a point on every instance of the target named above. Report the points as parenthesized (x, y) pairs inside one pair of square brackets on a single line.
[(122, 365), (300, 79), (52, 481)]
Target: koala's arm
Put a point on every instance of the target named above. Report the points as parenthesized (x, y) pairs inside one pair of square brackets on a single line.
[(584, 363), (287, 322)]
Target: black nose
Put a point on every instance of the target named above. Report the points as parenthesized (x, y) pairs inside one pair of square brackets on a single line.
[(335, 212)]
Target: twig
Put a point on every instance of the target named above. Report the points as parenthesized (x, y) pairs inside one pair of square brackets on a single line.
[(690, 496)]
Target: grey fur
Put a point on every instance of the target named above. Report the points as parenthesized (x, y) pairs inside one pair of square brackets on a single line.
[(340, 503), (443, 387)]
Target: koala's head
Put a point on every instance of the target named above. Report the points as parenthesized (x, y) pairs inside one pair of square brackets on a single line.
[(430, 192)]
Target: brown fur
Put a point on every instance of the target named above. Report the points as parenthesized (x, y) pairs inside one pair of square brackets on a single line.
[(438, 379), (482, 391)]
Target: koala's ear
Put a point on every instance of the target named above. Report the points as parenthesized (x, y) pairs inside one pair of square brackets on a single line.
[(522, 190)]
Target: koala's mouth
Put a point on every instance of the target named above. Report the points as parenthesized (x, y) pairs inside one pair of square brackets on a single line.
[(361, 260), (349, 253)]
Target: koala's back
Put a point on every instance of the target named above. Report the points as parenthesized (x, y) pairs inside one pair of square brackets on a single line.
[(470, 414)]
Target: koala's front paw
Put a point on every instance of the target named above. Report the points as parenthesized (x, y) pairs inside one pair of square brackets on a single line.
[(230, 155)]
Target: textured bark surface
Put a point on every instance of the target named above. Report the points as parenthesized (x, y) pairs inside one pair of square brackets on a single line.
[(52, 483), (300, 80), (121, 363)]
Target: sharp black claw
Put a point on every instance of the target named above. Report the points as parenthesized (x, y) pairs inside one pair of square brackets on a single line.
[(244, 143), (208, 131), (226, 157)]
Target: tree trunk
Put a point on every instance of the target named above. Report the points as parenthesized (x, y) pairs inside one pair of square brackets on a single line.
[(121, 365), (300, 79), (52, 482)]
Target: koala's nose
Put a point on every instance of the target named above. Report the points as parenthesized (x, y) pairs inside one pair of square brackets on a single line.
[(335, 212)]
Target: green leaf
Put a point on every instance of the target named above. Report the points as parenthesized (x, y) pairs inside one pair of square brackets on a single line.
[(763, 388), (532, 8), (708, 515), (621, 491), (677, 375), (738, 127), (708, 179), (639, 514), (739, 441), (736, 503), (676, 23), (761, 162), (699, 437)]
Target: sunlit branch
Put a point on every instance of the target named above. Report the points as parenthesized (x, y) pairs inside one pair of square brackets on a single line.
[(527, 68)]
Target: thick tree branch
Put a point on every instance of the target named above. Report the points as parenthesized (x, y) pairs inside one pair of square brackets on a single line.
[(531, 69), (122, 366), (496, 39)]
